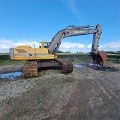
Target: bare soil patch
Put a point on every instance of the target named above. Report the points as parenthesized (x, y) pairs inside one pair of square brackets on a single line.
[(90, 93)]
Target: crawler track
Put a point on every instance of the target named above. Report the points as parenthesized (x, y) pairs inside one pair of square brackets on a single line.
[(67, 67), (30, 68)]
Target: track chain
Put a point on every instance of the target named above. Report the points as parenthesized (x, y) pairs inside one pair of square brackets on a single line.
[(67, 67), (30, 69)]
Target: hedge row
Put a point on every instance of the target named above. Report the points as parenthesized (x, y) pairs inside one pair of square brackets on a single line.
[(4, 57)]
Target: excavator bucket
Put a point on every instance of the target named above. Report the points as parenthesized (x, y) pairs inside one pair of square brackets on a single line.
[(99, 58)]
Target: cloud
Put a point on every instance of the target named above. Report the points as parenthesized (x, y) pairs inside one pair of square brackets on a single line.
[(89, 46), (111, 45), (5, 44), (72, 4), (68, 45), (73, 47)]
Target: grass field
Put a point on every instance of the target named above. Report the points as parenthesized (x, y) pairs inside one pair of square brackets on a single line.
[(72, 57)]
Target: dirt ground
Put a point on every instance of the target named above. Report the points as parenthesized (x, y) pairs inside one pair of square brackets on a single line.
[(88, 93)]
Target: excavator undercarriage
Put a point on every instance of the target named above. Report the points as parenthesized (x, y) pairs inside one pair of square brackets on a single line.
[(31, 68)]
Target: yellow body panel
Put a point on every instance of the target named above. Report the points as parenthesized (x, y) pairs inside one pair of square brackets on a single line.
[(28, 53)]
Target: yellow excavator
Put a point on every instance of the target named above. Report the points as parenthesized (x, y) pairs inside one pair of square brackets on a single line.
[(45, 56)]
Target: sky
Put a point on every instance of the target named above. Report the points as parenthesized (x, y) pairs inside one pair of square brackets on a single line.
[(29, 22)]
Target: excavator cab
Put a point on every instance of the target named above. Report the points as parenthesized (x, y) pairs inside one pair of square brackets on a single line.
[(44, 45)]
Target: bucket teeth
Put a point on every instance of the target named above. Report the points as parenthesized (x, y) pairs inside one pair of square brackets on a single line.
[(103, 55), (99, 58)]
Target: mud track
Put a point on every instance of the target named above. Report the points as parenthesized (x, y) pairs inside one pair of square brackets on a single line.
[(84, 94)]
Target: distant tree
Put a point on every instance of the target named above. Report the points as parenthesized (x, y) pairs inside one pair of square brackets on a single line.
[(110, 52), (67, 52), (60, 51)]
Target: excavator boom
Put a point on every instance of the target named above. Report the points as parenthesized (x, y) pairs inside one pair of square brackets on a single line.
[(99, 57)]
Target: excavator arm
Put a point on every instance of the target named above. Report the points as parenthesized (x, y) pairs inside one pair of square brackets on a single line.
[(98, 57)]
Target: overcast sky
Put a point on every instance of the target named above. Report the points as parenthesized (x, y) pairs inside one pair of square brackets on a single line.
[(32, 21)]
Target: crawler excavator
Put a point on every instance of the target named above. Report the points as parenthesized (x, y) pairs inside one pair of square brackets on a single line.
[(45, 56)]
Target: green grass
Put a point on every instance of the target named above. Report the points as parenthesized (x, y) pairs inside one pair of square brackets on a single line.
[(76, 57)]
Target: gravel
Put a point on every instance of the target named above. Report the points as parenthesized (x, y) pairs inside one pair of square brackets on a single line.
[(87, 93)]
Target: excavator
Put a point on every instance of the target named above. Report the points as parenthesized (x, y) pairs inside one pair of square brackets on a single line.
[(46, 55)]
